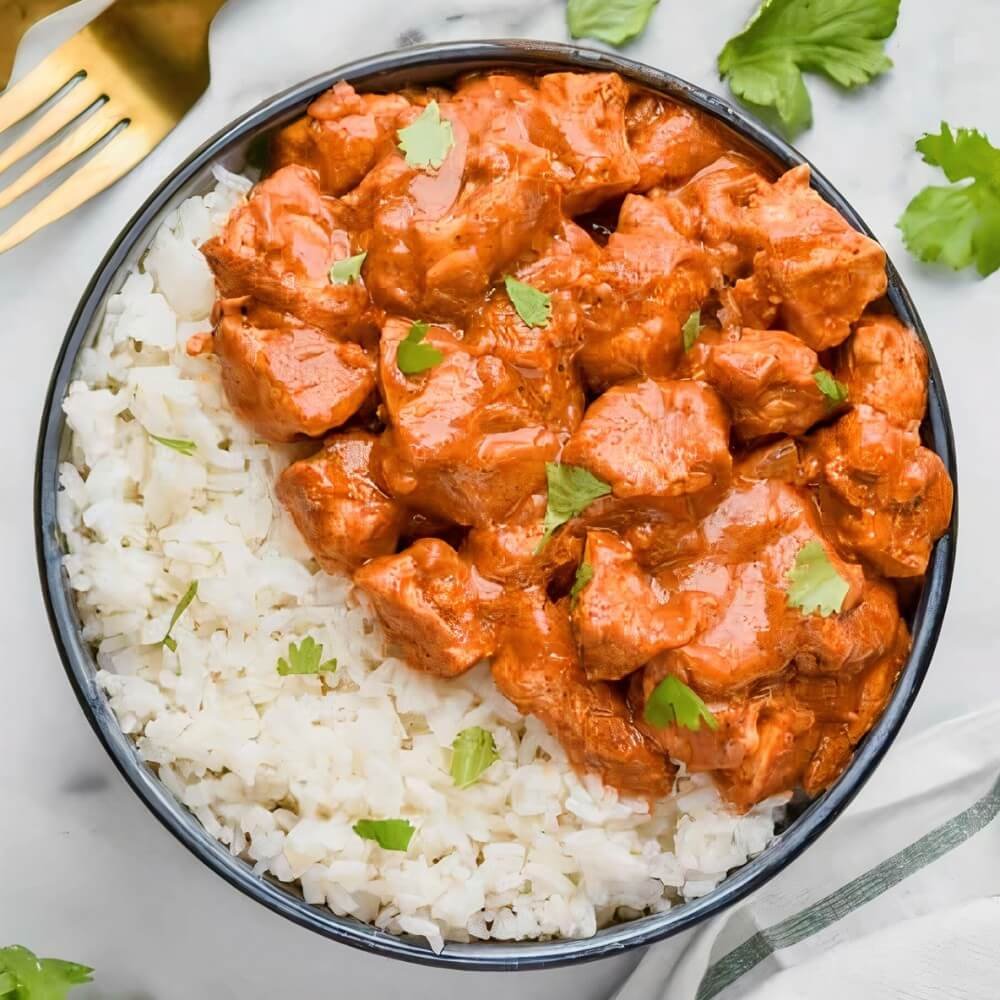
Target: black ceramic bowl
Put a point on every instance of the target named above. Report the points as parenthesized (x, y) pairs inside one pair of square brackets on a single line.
[(424, 65)]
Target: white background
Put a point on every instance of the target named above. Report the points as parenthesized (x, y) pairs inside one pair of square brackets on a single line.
[(85, 872)]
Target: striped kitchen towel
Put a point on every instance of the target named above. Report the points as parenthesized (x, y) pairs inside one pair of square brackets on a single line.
[(899, 899)]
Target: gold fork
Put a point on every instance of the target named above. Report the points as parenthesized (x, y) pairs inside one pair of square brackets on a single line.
[(16, 16), (139, 67)]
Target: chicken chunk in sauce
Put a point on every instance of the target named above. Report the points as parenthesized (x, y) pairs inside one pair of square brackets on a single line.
[(549, 474)]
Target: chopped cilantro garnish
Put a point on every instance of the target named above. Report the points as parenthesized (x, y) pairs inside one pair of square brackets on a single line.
[(426, 142), (674, 703), (571, 491), (611, 21), (813, 584), (348, 270), (584, 574), (691, 329), (472, 752), (835, 392), (413, 356), (182, 606), (305, 658), (178, 444), (533, 306), (24, 976), (389, 834)]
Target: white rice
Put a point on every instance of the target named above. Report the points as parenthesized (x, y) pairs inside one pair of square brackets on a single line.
[(280, 768)]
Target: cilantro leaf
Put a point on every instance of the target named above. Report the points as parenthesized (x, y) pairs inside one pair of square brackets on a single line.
[(691, 329), (584, 574), (178, 444), (957, 225), (571, 491), (842, 39), (835, 392), (674, 703), (348, 270), (389, 834), (305, 658), (413, 356), (533, 306), (23, 976), (472, 751), (613, 21), (182, 606), (813, 584), (426, 142)]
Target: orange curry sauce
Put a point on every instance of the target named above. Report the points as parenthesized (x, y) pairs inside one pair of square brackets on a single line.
[(721, 458)]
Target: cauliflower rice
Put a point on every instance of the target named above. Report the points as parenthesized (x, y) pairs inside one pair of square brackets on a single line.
[(280, 768)]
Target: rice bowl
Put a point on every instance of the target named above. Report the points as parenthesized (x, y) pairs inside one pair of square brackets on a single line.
[(690, 829)]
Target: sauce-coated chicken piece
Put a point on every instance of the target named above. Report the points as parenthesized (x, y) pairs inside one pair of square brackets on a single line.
[(813, 273), (670, 142), (587, 139), (655, 440), (537, 668), (439, 240), (749, 543), (884, 365), (463, 442), (883, 495), (343, 516), (428, 604), (343, 135), (622, 618), (279, 248), (650, 280), (712, 209), (768, 379), (284, 378)]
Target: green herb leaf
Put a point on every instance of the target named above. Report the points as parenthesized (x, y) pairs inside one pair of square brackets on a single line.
[(533, 306), (427, 141), (184, 447), (305, 658), (182, 606), (584, 574), (674, 703), (472, 751), (691, 329), (813, 584), (348, 270), (835, 392), (571, 491), (23, 976), (957, 225), (843, 39), (611, 21), (389, 834), (413, 356)]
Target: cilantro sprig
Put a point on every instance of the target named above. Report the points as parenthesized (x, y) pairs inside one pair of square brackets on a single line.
[(305, 658), (613, 21), (427, 141), (187, 448), (691, 329), (584, 574), (834, 391), (842, 39), (571, 490), (674, 703), (24, 976), (182, 605), (534, 307), (348, 270), (389, 834), (472, 752), (957, 225), (413, 356), (814, 586)]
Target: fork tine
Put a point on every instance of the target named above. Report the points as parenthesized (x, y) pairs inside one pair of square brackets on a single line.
[(118, 157), (25, 96), (95, 128), (73, 104)]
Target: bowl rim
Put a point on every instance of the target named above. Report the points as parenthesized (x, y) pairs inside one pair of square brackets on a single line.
[(442, 61)]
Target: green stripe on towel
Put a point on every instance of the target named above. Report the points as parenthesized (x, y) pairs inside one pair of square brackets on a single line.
[(849, 897)]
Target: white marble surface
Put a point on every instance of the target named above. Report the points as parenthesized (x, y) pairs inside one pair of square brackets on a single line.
[(85, 871)]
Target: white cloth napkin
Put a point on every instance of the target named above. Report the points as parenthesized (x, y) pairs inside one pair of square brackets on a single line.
[(900, 899)]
